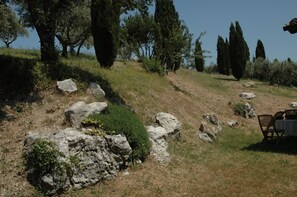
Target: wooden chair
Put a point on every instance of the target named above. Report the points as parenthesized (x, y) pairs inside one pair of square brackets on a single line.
[(267, 125), (291, 114)]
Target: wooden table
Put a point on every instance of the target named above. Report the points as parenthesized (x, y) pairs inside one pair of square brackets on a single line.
[(289, 125)]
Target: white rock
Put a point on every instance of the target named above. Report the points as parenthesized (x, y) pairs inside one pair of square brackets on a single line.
[(247, 95), (79, 111), (293, 104), (95, 90), (169, 123), (67, 86), (204, 137)]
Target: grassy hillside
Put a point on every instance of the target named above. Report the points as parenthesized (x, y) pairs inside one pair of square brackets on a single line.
[(237, 164)]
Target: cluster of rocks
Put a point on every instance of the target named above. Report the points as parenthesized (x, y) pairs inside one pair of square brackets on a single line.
[(168, 127), (97, 157), (210, 127)]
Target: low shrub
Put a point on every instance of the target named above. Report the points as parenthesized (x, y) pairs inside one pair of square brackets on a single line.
[(42, 158), (118, 120), (153, 65), (239, 109)]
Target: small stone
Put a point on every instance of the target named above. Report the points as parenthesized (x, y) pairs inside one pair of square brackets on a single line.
[(293, 104), (95, 90), (204, 137), (246, 95), (67, 86)]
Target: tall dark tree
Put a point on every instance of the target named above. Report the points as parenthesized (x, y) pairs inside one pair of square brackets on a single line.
[(260, 50), (221, 53), (238, 49), (105, 16), (199, 58), (168, 35), (223, 57), (227, 58)]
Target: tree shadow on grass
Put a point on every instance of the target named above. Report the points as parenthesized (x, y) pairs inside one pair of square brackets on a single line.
[(288, 145), (225, 79), (18, 78), (16, 82), (63, 71)]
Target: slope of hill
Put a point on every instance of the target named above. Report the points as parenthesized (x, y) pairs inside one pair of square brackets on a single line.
[(235, 165)]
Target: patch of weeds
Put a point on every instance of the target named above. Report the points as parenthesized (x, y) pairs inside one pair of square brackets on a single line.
[(95, 132), (240, 109), (153, 65), (42, 158)]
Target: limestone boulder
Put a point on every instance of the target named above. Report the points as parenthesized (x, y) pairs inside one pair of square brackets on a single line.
[(247, 95), (169, 123), (90, 159), (80, 110), (210, 127), (204, 137), (232, 123), (249, 84), (158, 137), (293, 104), (95, 90), (67, 86)]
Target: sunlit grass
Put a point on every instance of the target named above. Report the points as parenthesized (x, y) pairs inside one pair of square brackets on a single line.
[(236, 164)]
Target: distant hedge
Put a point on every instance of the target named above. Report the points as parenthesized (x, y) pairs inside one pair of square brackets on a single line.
[(119, 120)]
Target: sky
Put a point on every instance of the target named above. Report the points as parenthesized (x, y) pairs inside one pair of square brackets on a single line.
[(259, 19)]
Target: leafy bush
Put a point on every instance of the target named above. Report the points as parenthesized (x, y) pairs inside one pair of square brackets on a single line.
[(281, 73), (211, 69), (153, 65), (43, 157), (119, 120), (239, 109)]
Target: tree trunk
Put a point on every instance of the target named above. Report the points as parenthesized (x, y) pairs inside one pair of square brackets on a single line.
[(72, 50), (7, 45), (78, 49), (47, 45), (64, 52)]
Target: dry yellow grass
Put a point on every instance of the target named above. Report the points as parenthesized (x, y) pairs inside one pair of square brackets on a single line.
[(229, 167)]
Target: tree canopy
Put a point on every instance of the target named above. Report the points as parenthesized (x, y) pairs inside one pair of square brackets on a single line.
[(238, 49), (260, 50)]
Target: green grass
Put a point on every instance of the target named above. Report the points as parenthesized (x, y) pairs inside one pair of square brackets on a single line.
[(237, 164)]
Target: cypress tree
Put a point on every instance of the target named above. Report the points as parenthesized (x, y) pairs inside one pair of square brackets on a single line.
[(166, 48), (221, 55), (105, 16), (227, 58), (199, 58), (260, 51), (238, 49)]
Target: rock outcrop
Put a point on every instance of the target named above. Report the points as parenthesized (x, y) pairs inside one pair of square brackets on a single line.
[(80, 110), (83, 159), (169, 123), (169, 128), (159, 144), (209, 128)]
